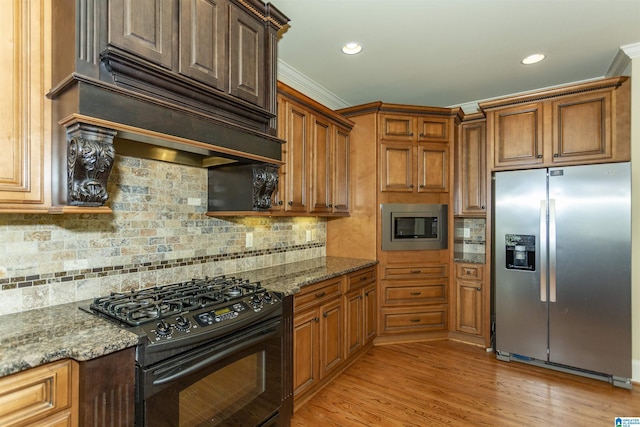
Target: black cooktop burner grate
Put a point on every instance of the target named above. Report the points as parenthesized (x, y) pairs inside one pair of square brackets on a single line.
[(150, 304)]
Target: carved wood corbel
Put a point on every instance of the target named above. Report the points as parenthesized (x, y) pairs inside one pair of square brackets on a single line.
[(90, 157)]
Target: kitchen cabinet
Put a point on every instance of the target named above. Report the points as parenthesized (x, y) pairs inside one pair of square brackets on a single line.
[(470, 173), (334, 322), (220, 44), (46, 396), (414, 153), (469, 298), (578, 124), (414, 298), (360, 310), (314, 179), (25, 169), (414, 167), (317, 335)]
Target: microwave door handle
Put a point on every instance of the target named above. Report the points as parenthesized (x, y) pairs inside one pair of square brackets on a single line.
[(543, 251)]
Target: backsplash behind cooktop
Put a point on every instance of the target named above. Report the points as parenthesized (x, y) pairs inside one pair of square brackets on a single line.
[(158, 234)]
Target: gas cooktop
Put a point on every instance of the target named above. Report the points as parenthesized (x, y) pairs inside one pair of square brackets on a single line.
[(182, 311)]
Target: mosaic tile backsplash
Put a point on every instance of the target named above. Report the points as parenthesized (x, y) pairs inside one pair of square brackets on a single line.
[(158, 234)]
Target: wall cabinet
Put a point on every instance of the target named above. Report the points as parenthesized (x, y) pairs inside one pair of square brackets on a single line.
[(334, 321), (470, 174), (469, 298), (577, 124), (26, 113), (315, 178), (414, 167), (414, 153), (46, 396)]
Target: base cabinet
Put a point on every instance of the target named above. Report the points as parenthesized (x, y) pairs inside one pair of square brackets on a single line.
[(469, 298), (45, 396), (334, 321)]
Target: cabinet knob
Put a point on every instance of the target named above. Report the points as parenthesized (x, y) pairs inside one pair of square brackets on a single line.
[(280, 202), (316, 319), (330, 205), (290, 203), (325, 314), (410, 185), (422, 185), (410, 133), (478, 289), (422, 135), (482, 207), (556, 155), (539, 156)]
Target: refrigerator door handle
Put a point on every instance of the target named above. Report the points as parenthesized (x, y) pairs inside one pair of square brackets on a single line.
[(552, 250), (543, 251)]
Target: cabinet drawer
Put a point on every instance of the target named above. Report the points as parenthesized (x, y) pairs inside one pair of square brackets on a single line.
[(318, 293), (415, 293), (33, 394), (470, 271), (361, 277), (415, 271), (427, 319)]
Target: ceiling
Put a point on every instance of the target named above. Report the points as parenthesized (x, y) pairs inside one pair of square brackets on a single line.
[(446, 53)]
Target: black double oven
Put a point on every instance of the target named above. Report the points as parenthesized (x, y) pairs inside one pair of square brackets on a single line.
[(210, 352)]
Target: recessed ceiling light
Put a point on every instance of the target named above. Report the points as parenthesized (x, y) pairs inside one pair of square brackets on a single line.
[(532, 59), (351, 48)]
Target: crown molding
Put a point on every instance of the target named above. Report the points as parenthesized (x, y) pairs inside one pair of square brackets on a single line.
[(294, 78), (622, 61)]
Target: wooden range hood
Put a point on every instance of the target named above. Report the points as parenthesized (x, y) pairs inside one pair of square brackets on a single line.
[(187, 82)]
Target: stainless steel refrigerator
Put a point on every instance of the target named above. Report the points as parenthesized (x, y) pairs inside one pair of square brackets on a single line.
[(562, 269)]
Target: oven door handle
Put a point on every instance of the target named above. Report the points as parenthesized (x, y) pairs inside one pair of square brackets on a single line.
[(215, 357)]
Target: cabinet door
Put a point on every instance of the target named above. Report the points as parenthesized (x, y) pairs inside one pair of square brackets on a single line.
[(320, 162), (144, 28), (306, 339), (354, 314), (370, 312), (582, 128), (397, 127), (469, 307), (295, 155), (203, 34), (433, 129), (332, 346), (433, 173), (246, 56), (396, 167), (24, 110), (472, 170), (341, 180), (518, 136)]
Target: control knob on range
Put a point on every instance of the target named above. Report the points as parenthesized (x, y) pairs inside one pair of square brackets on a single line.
[(182, 323), (163, 329), (268, 298)]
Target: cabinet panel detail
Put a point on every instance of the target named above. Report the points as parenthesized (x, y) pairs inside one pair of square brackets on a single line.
[(519, 136), (433, 129), (423, 319), (415, 272), (433, 167), (415, 293)]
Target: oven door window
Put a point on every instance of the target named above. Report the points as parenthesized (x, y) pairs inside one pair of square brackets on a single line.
[(242, 389)]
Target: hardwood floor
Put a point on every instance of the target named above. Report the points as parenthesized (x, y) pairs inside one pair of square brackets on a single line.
[(451, 383)]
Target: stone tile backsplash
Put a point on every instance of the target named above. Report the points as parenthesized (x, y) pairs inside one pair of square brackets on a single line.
[(469, 237), (158, 234)]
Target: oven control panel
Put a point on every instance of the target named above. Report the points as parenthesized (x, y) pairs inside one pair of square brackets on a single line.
[(199, 321)]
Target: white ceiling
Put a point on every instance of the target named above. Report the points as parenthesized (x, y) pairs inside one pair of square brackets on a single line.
[(449, 52)]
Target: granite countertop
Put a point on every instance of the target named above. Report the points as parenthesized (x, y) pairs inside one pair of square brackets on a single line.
[(469, 258), (36, 337)]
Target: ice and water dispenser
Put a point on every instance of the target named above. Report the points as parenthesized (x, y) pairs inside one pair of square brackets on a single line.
[(520, 251)]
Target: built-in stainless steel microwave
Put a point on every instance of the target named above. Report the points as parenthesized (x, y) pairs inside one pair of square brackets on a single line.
[(409, 226)]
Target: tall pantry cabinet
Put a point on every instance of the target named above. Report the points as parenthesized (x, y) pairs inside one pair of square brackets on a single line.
[(400, 154)]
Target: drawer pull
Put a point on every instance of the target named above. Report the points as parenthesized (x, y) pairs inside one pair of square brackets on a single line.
[(469, 272), (415, 293), (415, 320), (320, 294), (362, 279), (415, 271)]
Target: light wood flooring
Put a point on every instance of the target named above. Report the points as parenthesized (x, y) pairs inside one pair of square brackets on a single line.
[(451, 383)]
